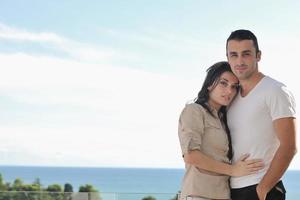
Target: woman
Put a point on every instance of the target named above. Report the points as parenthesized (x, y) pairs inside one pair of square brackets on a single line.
[(205, 139)]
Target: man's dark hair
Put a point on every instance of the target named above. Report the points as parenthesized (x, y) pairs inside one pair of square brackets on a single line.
[(242, 34)]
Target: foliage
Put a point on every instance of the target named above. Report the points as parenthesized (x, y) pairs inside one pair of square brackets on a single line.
[(37, 183), (148, 198), (175, 197), (68, 187), (92, 192), (2, 184), (87, 188), (54, 188), (18, 190)]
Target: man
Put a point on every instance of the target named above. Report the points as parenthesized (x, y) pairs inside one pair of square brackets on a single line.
[(261, 120)]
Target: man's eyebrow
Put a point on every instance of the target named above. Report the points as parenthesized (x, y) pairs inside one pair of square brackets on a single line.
[(245, 51)]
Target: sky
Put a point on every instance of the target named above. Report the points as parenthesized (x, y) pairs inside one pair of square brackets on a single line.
[(102, 83)]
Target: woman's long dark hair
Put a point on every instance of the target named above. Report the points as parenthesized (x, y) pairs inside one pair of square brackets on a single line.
[(212, 77)]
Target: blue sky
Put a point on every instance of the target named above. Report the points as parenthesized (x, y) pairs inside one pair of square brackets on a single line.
[(102, 83)]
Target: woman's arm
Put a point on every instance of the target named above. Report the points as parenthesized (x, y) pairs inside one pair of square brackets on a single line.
[(241, 168)]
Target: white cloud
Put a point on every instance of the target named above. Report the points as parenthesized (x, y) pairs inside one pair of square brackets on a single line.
[(79, 113), (77, 50), (10, 33), (170, 41), (121, 112)]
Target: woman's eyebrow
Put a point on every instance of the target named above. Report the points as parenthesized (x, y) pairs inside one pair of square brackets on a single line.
[(224, 79)]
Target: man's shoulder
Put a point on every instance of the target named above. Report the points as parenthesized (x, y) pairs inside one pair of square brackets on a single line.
[(273, 86), (271, 82), (278, 92)]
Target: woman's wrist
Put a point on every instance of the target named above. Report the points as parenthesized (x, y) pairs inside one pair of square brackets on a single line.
[(228, 169)]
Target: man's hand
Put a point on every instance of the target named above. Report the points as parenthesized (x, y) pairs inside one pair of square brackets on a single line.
[(261, 193)]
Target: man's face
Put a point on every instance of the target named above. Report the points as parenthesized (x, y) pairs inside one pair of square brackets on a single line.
[(242, 58)]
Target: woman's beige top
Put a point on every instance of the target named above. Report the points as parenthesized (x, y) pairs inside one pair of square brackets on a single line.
[(199, 130)]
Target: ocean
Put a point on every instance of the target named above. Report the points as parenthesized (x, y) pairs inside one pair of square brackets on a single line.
[(131, 182)]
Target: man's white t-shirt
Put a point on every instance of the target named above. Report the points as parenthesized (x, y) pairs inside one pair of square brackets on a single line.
[(250, 120)]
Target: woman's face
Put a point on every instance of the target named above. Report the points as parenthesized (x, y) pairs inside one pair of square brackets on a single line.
[(224, 91)]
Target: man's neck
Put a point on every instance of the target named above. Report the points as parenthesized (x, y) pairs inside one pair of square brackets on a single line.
[(250, 83)]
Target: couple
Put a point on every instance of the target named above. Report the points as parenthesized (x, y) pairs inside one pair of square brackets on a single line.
[(239, 152)]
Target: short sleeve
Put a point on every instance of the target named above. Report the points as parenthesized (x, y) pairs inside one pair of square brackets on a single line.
[(191, 128), (282, 103)]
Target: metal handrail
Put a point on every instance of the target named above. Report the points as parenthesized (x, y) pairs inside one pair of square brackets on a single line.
[(45, 195)]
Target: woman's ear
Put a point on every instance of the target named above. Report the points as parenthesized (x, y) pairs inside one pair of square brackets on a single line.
[(209, 88)]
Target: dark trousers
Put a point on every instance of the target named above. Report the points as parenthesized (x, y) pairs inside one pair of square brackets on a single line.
[(249, 193)]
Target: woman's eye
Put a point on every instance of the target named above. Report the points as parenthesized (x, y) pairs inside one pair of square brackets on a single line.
[(224, 83), (236, 86)]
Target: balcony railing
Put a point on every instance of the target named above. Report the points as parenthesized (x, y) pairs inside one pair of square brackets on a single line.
[(26, 195)]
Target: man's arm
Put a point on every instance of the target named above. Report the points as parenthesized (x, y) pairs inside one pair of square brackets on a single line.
[(285, 129)]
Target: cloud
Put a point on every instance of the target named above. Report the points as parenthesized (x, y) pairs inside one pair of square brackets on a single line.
[(92, 113), (79, 112), (80, 51), (10, 33), (163, 40)]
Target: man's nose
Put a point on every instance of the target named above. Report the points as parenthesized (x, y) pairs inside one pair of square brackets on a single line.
[(240, 60)]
